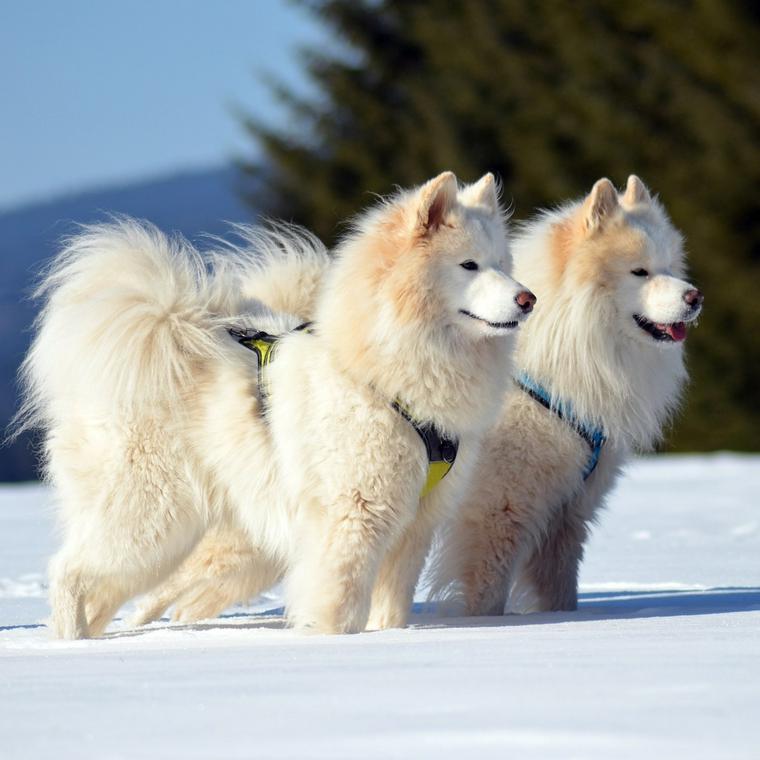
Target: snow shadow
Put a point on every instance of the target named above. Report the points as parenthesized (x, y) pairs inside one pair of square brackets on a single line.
[(597, 605), (593, 605), (239, 621), (21, 627), (614, 605)]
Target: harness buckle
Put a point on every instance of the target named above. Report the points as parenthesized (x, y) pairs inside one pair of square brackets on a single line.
[(448, 450)]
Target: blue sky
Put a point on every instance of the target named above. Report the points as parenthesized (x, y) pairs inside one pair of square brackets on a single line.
[(98, 92)]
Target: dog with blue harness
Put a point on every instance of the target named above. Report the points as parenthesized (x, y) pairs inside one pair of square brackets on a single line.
[(601, 374)]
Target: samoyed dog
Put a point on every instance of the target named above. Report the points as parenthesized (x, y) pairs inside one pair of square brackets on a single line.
[(599, 372), (160, 424)]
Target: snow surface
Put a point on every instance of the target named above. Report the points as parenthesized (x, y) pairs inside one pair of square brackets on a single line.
[(662, 660)]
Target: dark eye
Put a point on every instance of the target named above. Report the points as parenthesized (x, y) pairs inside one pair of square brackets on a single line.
[(470, 265), (640, 272)]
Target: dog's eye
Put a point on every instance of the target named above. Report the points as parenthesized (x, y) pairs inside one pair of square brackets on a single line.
[(470, 265), (640, 272)]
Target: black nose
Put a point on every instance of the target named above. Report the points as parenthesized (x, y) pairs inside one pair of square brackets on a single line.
[(694, 298), (525, 300)]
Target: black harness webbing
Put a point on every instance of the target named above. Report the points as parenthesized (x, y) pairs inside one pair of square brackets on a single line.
[(264, 345), (441, 450)]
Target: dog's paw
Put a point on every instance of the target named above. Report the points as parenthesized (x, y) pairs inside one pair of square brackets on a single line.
[(329, 622), (382, 620)]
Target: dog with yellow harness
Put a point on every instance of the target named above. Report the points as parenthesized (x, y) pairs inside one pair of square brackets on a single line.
[(161, 424)]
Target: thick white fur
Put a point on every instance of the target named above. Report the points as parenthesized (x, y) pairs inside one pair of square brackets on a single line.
[(154, 432), (277, 264), (528, 510)]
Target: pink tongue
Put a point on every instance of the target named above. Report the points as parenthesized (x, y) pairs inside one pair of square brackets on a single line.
[(677, 330)]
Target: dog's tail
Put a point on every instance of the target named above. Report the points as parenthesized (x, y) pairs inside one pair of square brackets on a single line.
[(127, 315), (280, 265)]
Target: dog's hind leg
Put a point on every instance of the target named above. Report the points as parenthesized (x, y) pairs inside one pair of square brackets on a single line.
[(223, 569), (214, 595), (115, 555), (84, 594), (155, 604), (104, 600), (68, 589)]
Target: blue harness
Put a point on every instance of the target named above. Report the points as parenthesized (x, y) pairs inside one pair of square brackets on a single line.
[(594, 436)]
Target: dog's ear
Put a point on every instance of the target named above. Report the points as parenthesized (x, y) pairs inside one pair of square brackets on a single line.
[(434, 201), (481, 193), (636, 192), (601, 202)]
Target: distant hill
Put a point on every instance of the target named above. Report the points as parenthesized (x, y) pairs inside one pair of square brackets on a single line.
[(191, 203)]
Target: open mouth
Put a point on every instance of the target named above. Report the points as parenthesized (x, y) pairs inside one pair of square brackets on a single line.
[(674, 332), (496, 325)]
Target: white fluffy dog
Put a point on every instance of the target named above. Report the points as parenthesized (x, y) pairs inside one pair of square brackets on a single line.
[(156, 428), (600, 369)]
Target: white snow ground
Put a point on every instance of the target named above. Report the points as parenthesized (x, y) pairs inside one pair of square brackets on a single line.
[(662, 660)]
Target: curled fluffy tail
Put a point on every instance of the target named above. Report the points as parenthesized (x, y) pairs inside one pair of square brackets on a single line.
[(127, 313), (280, 265)]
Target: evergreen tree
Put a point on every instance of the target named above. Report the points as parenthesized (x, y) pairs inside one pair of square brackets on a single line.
[(551, 96)]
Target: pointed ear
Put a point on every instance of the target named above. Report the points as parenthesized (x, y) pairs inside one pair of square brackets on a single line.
[(636, 192), (481, 193), (601, 202), (435, 199)]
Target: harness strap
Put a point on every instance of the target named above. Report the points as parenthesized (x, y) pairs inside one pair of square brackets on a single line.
[(441, 451), (594, 436), (264, 345)]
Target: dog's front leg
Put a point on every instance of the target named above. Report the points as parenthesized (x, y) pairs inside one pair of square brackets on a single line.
[(553, 568), (394, 589), (329, 587)]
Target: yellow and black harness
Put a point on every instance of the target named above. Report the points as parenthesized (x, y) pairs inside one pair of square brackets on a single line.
[(441, 451)]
